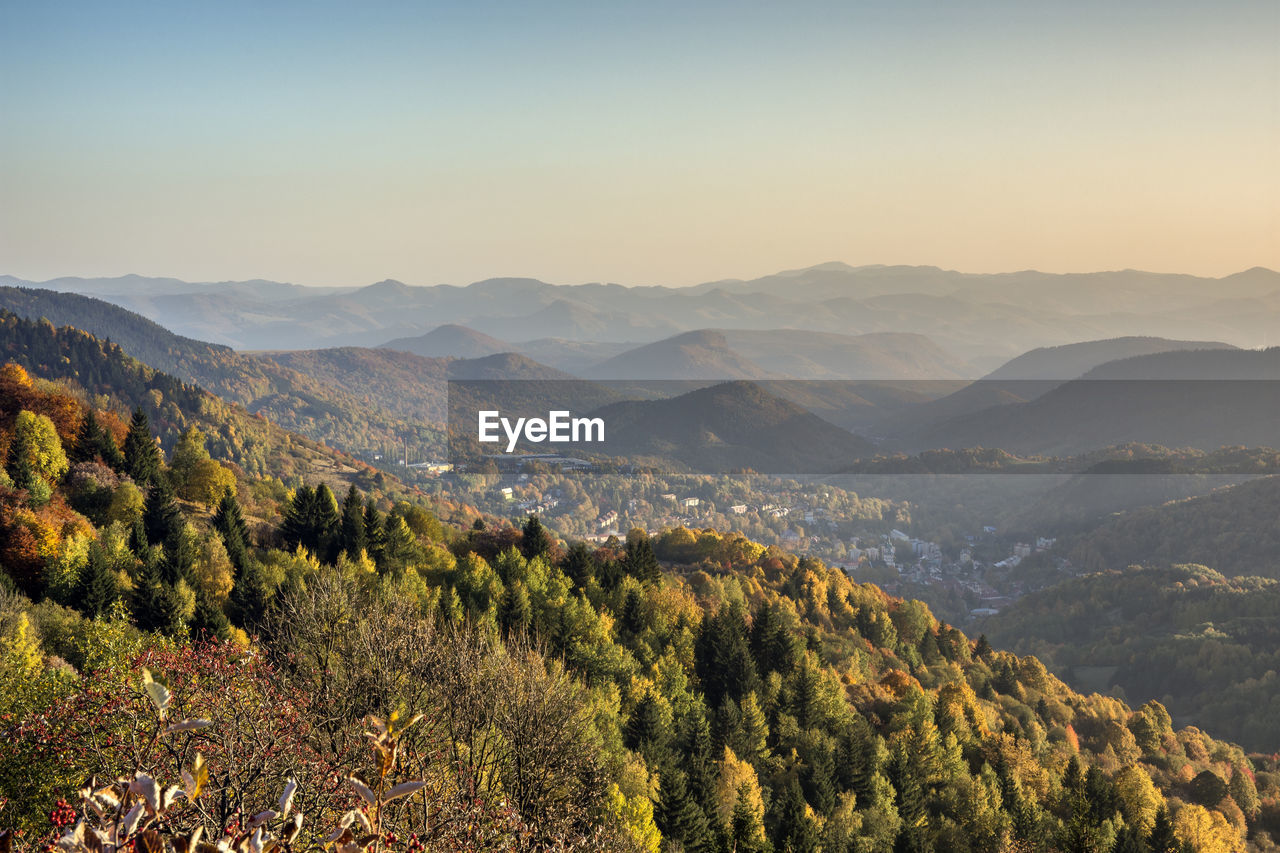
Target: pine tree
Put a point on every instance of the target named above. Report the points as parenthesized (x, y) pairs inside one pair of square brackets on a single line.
[(640, 561), (793, 829), (353, 540), (156, 606), (644, 731), (1162, 838), (229, 521), (580, 565), (516, 613), (251, 596), (161, 518), (535, 541), (142, 459), (819, 781), (100, 589), (88, 439), (746, 835), (678, 816), (375, 536), (209, 621)]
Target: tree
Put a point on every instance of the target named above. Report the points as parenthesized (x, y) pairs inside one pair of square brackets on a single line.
[(794, 829), (678, 815), (161, 518), (311, 521), (375, 535), (36, 458), (195, 476), (640, 561), (142, 460), (156, 604), (646, 731), (100, 589), (353, 538), (580, 565), (93, 442), (229, 521), (535, 541), (737, 786)]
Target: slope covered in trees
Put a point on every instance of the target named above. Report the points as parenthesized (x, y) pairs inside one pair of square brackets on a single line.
[(1204, 644), (690, 690), (1233, 530)]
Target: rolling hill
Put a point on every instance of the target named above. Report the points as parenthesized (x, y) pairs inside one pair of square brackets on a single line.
[(703, 354), (729, 426), (1203, 399), (450, 341)]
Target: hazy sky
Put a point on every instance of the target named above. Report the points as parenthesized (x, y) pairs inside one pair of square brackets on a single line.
[(646, 143)]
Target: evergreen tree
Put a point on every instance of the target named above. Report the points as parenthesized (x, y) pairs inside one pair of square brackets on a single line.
[(251, 596), (793, 829), (100, 589), (375, 535), (1162, 838), (746, 835), (88, 439), (632, 619), (644, 731), (819, 781), (723, 658), (161, 518), (678, 816), (699, 761), (312, 522), (640, 561), (142, 458), (229, 521), (772, 645), (353, 539), (580, 565), (400, 548), (209, 621), (156, 604), (535, 541), (1130, 840), (516, 613)]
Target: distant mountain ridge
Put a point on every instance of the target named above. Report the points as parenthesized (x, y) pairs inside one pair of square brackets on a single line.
[(1071, 361), (982, 319)]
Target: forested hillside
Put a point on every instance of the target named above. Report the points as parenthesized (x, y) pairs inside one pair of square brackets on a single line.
[(170, 621), (291, 398), (1207, 646), (1233, 530)]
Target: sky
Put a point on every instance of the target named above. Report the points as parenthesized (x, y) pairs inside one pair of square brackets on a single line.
[(645, 143)]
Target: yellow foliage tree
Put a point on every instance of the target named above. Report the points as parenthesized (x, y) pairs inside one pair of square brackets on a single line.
[(737, 779), (1206, 831), (1139, 798)]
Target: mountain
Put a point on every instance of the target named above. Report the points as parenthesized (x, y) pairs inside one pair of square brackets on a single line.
[(729, 426), (1203, 399), (450, 341), (823, 355), (574, 357), (1205, 645), (119, 383), (1233, 530), (981, 320), (1071, 361), (341, 415), (703, 354)]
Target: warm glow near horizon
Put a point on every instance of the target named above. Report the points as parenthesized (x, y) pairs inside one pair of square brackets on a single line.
[(670, 144)]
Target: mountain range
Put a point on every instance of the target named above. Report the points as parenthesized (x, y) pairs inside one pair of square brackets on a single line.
[(981, 319)]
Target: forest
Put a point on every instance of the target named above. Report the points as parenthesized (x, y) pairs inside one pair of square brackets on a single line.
[(196, 656)]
